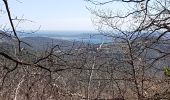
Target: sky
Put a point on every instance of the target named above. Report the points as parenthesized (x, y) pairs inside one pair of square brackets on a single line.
[(59, 15)]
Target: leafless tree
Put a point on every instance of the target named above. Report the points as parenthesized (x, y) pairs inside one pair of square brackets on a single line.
[(131, 67), (141, 30), (29, 75)]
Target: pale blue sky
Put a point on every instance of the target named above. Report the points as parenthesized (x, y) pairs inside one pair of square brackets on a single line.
[(53, 14)]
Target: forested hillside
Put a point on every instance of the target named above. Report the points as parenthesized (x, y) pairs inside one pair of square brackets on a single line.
[(135, 65)]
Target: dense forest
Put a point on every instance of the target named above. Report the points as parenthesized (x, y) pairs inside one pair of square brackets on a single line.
[(134, 66)]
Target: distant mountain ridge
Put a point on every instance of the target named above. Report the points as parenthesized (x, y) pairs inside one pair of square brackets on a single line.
[(42, 43), (89, 37), (7, 38)]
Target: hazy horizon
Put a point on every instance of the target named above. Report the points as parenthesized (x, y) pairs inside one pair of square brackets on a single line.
[(86, 36)]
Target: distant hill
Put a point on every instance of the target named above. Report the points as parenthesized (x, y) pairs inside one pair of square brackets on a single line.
[(6, 38), (89, 37), (42, 43)]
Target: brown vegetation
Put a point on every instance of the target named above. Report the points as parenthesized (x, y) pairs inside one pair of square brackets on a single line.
[(130, 68)]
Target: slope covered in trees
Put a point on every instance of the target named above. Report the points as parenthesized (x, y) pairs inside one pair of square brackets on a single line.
[(135, 66)]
